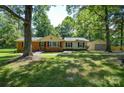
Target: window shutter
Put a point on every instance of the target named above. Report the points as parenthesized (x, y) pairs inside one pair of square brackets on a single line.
[(83, 44), (48, 43), (44, 44), (78, 44)]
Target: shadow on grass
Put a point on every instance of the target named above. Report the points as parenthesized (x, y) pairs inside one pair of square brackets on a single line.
[(92, 56), (6, 55), (57, 73), (4, 59), (104, 78), (51, 73)]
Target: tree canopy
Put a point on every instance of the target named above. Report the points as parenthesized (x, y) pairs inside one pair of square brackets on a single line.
[(9, 31), (89, 21), (67, 27)]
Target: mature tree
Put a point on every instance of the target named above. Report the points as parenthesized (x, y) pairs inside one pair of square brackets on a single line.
[(42, 25), (88, 24), (27, 31), (106, 14), (108, 42), (66, 29), (94, 21), (27, 27), (20, 10), (8, 31), (41, 22), (122, 32), (118, 20)]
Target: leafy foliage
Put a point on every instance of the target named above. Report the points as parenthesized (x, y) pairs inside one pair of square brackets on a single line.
[(89, 25), (66, 29), (8, 31), (90, 21), (41, 22)]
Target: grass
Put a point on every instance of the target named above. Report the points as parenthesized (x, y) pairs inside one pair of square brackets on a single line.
[(7, 50), (75, 69), (6, 54)]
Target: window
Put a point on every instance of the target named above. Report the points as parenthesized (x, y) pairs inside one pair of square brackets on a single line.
[(42, 44), (81, 44), (53, 44), (68, 44)]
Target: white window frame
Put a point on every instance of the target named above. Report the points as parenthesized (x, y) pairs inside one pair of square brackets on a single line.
[(53, 44), (81, 44), (42, 44), (69, 44)]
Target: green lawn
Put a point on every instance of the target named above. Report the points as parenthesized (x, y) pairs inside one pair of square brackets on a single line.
[(6, 54), (63, 69)]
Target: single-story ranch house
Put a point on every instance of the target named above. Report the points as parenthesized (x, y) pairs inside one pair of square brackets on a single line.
[(52, 43)]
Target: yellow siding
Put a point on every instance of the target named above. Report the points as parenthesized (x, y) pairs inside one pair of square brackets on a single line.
[(116, 48)]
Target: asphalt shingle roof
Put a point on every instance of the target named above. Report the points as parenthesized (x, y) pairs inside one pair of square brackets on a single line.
[(75, 39), (65, 39), (33, 39)]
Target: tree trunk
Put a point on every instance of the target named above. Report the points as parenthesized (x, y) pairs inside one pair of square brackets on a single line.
[(108, 43), (27, 31), (122, 27)]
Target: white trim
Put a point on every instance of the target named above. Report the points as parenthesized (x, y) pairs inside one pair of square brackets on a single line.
[(53, 44)]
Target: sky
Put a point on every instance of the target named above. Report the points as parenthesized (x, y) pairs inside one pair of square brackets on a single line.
[(57, 14)]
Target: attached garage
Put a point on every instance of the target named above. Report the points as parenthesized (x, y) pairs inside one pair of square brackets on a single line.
[(100, 46), (97, 45)]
